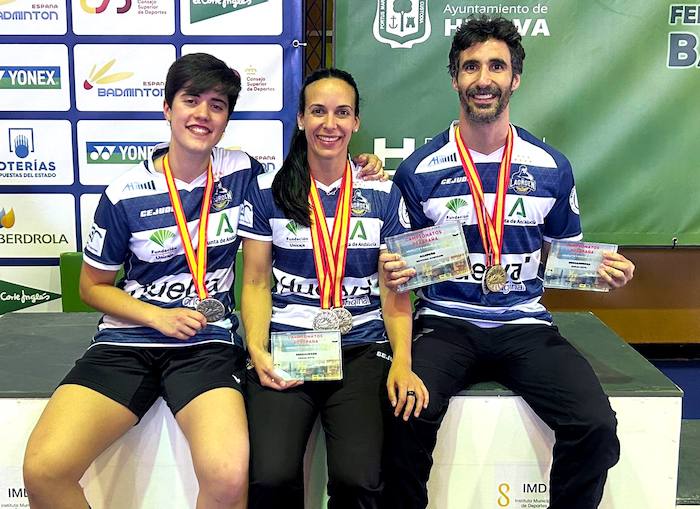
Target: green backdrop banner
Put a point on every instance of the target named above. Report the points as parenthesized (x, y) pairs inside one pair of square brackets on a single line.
[(613, 84)]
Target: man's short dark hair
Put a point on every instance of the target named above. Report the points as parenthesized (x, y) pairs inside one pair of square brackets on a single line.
[(478, 30), (197, 73)]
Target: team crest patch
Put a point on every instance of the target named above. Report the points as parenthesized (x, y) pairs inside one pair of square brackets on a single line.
[(522, 181), (359, 205), (221, 198), (401, 23)]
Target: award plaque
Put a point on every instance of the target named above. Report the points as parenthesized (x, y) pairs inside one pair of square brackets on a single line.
[(574, 266), (308, 355), (437, 253)]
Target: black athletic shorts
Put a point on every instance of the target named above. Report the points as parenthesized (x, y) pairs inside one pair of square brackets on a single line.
[(136, 376)]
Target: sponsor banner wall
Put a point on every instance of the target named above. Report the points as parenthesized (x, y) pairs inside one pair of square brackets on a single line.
[(610, 84), (81, 102)]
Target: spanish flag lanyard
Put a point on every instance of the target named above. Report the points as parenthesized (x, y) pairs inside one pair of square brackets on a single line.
[(490, 226), (211, 308), (330, 254)]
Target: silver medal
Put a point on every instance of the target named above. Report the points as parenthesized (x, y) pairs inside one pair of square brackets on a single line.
[(212, 309), (344, 319), (326, 319)]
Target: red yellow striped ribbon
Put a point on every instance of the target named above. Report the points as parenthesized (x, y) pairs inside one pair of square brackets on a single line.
[(197, 261), (330, 249), (490, 226)]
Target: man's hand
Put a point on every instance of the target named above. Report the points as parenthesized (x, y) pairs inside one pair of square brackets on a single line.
[(407, 393), (180, 323), (395, 271), (371, 167), (616, 270)]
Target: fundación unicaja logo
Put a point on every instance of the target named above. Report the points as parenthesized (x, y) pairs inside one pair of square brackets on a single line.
[(161, 237), (100, 76), (402, 23), (103, 6), (206, 9)]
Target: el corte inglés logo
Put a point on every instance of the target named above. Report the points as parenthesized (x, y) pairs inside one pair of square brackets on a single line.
[(205, 9), (14, 297)]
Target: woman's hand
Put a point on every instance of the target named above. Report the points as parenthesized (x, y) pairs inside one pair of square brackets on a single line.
[(179, 323), (407, 393), (269, 377), (371, 167)]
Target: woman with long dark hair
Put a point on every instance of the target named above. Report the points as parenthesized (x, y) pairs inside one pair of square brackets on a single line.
[(318, 231)]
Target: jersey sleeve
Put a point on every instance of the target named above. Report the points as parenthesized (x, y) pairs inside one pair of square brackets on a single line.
[(107, 244), (563, 221), (254, 220), (395, 220), (406, 181)]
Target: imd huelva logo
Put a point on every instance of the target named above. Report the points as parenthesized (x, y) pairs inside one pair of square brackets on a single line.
[(401, 23)]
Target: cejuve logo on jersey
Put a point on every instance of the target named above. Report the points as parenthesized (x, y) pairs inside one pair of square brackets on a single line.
[(453, 180), (30, 77), (118, 152), (359, 205), (522, 182), (401, 23), (302, 286), (155, 212)]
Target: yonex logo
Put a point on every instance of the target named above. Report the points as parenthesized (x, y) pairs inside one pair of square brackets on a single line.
[(30, 77), (118, 152)]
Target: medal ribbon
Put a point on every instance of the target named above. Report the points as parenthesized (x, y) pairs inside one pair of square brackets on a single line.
[(490, 226), (330, 249), (197, 261)]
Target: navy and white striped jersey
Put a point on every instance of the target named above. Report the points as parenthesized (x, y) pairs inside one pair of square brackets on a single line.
[(135, 227), (541, 205), (295, 299)]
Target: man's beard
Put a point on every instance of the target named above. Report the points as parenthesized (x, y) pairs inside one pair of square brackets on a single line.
[(487, 113)]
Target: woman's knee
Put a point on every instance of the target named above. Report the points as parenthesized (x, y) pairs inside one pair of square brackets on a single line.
[(224, 480), (44, 470)]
